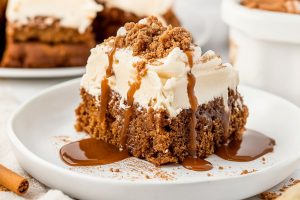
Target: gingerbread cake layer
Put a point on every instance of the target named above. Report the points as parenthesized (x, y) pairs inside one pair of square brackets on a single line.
[(41, 46), (37, 30), (159, 138), (43, 55)]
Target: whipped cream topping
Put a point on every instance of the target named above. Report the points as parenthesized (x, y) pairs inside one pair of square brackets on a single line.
[(165, 84), (141, 7), (77, 14)]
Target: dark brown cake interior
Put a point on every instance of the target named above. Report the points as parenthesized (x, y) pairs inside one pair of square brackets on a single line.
[(156, 136)]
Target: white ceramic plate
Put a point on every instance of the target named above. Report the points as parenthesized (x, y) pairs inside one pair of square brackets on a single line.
[(45, 123), (41, 73)]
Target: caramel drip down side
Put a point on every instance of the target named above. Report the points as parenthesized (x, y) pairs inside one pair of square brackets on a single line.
[(194, 105), (105, 89), (193, 162), (128, 111)]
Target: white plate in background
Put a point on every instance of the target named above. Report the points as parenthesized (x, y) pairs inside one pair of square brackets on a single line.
[(41, 73), (42, 125)]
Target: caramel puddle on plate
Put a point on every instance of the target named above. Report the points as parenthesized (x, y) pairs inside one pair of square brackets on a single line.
[(91, 151), (197, 164), (252, 146)]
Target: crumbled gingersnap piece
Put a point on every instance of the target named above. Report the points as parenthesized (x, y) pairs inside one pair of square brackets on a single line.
[(141, 67), (269, 195)]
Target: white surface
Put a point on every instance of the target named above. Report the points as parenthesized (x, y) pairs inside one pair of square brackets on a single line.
[(41, 73), (77, 14), (266, 48), (36, 147)]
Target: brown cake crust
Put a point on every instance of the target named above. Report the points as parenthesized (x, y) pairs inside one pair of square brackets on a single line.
[(158, 138), (43, 55), (39, 46)]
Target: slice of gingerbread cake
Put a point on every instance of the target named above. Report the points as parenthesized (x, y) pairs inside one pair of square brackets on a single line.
[(49, 33), (60, 33), (151, 91)]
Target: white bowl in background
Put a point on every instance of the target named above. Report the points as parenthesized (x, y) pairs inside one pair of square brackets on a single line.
[(265, 47)]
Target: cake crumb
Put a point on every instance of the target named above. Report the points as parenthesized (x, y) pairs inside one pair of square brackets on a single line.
[(269, 195), (274, 195), (141, 67), (208, 174), (245, 171), (64, 139), (221, 168), (3, 189), (114, 170), (263, 160)]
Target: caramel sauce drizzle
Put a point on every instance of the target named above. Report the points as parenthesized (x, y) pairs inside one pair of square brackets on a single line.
[(91, 151), (193, 162), (197, 164), (105, 89), (252, 146), (128, 111), (194, 105)]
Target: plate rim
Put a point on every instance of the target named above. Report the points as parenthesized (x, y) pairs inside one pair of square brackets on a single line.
[(17, 144), (27, 73)]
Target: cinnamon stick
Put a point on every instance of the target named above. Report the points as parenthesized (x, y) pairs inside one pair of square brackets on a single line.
[(13, 181)]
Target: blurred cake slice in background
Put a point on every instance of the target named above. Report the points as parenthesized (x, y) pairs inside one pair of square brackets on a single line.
[(49, 33), (55, 33), (117, 12), (2, 26), (151, 91)]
